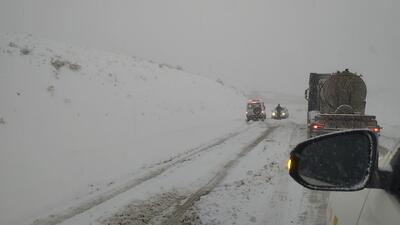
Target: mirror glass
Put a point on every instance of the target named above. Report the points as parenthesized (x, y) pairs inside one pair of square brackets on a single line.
[(340, 161)]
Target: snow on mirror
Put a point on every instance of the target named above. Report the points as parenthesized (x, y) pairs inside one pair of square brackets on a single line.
[(338, 161)]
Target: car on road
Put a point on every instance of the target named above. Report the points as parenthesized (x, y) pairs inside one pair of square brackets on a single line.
[(284, 114), (255, 110), (365, 188)]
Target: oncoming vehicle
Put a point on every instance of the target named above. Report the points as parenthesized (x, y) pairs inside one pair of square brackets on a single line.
[(280, 113), (255, 110), (345, 163)]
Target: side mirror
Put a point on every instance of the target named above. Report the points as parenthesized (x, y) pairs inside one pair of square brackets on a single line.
[(344, 161)]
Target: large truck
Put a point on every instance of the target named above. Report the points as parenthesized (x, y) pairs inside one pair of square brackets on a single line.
[(337, 102)]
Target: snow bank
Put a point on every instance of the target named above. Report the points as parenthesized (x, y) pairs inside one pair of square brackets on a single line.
[(71, 119)]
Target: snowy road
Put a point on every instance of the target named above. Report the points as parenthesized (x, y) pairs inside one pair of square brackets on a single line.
[(90, 137), (239, 178)]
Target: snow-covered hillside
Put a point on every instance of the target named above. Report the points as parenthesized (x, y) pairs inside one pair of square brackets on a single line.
[(73, 121)]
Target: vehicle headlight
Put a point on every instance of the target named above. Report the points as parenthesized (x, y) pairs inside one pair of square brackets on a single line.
[(283, 114), (273, 113)]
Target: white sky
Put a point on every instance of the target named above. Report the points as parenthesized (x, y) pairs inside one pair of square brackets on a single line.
[(252, 44)]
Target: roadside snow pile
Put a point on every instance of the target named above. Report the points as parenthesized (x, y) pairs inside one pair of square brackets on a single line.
[(72, 120)]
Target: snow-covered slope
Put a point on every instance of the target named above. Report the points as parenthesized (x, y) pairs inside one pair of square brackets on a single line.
[(73, 120)]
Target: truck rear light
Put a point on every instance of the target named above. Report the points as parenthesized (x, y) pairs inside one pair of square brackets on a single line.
[(375, 129), (317, 126)]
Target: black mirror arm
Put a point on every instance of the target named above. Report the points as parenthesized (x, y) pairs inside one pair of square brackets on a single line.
[(380, 180)]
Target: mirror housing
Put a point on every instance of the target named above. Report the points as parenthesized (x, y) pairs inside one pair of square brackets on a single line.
[(341, 161)]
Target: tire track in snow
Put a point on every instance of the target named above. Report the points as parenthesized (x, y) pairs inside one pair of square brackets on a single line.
[(156, 170), (173, 218), (281, 190)]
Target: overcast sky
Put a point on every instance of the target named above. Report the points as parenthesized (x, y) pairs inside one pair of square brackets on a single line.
[(252, 44)]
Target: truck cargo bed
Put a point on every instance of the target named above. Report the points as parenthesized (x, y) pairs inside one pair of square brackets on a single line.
[(347, 117), (347, 121)]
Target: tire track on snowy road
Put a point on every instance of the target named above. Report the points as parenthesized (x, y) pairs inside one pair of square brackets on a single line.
[(174, 217), (153, 172)]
